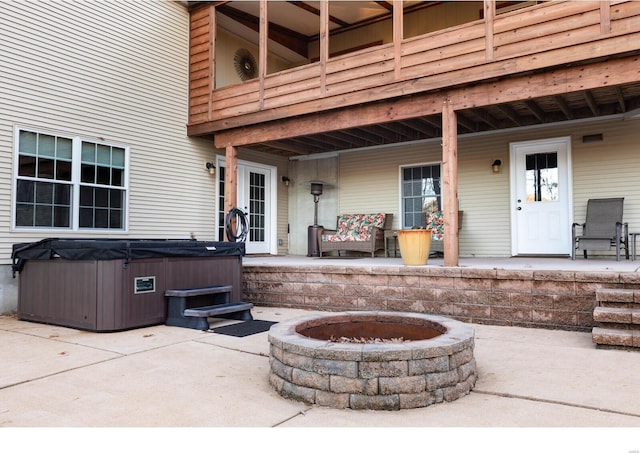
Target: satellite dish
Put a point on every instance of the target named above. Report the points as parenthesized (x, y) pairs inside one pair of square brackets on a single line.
[(245, 64)]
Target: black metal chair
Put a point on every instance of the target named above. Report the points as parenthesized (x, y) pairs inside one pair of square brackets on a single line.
[(602, 229)]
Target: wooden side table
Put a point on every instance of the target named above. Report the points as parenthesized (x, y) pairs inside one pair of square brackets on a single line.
[(390, 235)]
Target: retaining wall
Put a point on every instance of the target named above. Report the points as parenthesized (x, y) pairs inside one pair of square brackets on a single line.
[(529, 298)]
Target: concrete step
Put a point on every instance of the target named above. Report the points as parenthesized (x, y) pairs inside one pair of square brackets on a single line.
[(614, 296), (616, 315), (616, 337)]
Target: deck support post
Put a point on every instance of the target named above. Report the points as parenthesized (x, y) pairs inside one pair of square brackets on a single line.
[(231, 180), (450, 183)]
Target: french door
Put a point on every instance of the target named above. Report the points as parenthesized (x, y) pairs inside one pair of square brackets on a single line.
[(255, 197)]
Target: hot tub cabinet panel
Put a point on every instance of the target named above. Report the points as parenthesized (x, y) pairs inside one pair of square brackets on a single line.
[(196, 272), (106, 295), (122, 307), (65, 296)]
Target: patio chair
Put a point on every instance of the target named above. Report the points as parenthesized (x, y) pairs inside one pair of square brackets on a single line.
[(435, 223), (602, 229)]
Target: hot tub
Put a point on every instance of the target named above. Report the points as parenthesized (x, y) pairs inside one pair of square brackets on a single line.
[(106, 285)]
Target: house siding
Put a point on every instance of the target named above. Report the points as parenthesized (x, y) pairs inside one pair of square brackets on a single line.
[(301, 203), (369, 180), (113, 72), (609, 169)]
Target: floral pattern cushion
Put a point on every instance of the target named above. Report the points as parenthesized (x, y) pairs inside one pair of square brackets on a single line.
[(435, 223), (355, 227)]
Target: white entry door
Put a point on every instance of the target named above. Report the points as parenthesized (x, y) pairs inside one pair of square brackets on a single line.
[(541, 197), (255, 197)]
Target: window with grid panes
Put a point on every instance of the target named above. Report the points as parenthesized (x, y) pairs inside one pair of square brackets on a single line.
[(421, 193), (69, 183)]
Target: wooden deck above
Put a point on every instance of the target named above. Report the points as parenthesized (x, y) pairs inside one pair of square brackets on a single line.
[(556, 48)]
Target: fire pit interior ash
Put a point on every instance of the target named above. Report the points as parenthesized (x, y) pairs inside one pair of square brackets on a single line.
[(372, 360), (372, 330)]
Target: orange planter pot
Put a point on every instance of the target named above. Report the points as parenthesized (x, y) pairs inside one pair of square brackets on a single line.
[(414, 246)]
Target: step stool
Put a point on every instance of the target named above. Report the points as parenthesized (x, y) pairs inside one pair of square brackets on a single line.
[(190, 307)]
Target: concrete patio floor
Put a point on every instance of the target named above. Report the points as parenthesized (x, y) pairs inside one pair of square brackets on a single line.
[(164, 376)]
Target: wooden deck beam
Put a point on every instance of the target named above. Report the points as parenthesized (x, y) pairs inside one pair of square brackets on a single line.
[(555, 83)]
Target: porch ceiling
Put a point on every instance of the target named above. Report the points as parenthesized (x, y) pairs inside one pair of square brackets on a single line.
[(586, 104)]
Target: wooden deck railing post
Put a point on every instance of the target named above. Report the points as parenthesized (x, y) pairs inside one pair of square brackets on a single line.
[(489, 17), (605, 17), (450, 183), (212, 58), (398, 36), (324, 44), (262, 58)]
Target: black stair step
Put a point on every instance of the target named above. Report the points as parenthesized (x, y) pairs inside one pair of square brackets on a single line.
[(189, 292), (218, 309)]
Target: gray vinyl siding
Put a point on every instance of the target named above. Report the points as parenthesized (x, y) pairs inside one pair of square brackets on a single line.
[(113, 72), (609, 169), (369, 180)]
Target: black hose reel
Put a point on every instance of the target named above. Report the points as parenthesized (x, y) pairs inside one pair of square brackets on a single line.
[(241, 222)]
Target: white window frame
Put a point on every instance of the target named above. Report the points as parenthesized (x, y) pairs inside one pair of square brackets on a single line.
[(75, 182), (401, 182)]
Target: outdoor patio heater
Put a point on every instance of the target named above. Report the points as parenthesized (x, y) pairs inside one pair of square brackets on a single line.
[(314, 230)]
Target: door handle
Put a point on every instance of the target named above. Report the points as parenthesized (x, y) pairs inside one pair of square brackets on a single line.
[(519, 208)]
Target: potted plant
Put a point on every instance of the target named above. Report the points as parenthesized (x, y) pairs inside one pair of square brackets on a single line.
[(415, 243)]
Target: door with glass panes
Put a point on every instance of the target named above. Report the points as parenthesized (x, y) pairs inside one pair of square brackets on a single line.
[(255, 199), (541, 197)]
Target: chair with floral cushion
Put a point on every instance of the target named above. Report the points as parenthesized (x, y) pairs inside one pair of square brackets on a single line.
[(355, 232), (435, 223)]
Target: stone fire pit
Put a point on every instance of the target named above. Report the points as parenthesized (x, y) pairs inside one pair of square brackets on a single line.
[(385, 361)]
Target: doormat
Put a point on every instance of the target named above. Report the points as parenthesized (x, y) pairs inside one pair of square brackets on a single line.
[(244, 329)]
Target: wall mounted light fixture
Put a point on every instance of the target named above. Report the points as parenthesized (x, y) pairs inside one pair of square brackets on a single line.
[(286, 181), (495, 166), (211, 168), (592, 138)]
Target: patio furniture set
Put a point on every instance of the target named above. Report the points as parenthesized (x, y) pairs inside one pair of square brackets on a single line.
[(370, 233)]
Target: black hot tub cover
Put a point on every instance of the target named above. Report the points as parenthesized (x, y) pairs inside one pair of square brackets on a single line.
[(113, 249)]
